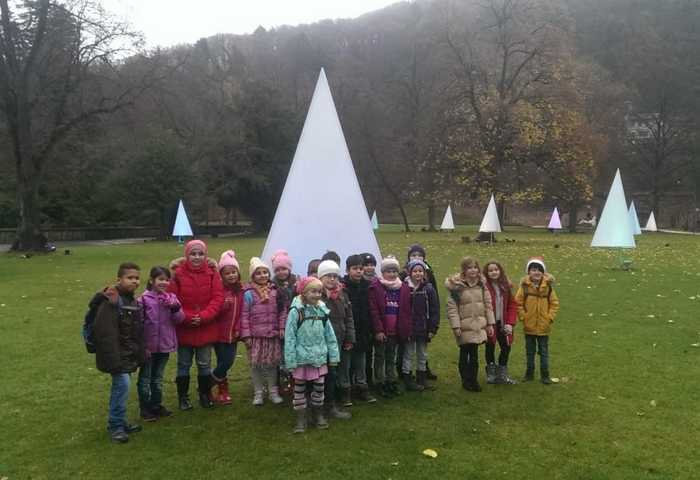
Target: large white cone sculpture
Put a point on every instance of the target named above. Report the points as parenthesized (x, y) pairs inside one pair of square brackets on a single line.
[(448, 222), (321, 207), (614, 229), (490, 223), (375, 222), (182, 224), (634, 220), (555, 221), (651, 223)]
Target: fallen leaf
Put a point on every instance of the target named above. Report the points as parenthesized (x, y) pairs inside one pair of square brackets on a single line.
[(651, 316), (487, 422), (695, 345), (595, 332), (691, 298), (640, 414), (429, 452), (600, 397), (671, 321), (394, 464), (652, 403), (653, 345), (2, 305), (554, 379)]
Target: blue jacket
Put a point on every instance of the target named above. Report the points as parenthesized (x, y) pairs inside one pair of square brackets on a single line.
[(309, 337)]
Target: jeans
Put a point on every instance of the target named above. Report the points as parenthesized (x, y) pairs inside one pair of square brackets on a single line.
[(537, 344), (118, 397), (352, 361), (505, 350), (418, 347), (225, 356), (184, 360), (385, 361), (150, 381), (468, 362)]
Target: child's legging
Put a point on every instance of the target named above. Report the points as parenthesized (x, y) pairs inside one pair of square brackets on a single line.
[(505, 349), (317, 395), (264, 374)]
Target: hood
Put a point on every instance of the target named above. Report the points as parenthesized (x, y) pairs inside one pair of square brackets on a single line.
[(547, 279)]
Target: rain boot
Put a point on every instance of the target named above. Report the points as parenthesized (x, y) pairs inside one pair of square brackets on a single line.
[(223, 396), (502, 377), (333, 411), (491, 373), (410, 383), (422, 380), (183, 387), (204, 389), (319, 418), (545, 377), (300, 425)]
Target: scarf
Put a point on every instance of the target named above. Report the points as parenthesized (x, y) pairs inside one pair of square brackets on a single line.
[(333, 294), (390, 285), (263, 291)]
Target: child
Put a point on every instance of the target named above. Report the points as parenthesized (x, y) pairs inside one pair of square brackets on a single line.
[(338, 303), (312, 269), (262, 327), (390, 309), (357, 289), (369, 264), (425, 319), (118, 338), (470, 312), (309, 347), (504, 312), (283, 278), (331, 255), (198, 287), (229, 325), (538, 305), (161, 311)]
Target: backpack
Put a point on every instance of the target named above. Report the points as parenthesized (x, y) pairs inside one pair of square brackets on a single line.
[(301, 318), (526, 293)]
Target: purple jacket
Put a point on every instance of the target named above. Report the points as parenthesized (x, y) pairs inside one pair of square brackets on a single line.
[(260, 319), (161, 312), (377, 308)]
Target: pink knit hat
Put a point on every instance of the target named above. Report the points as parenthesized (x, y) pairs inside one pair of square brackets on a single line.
[(281, 259), (195, 243), (306, 283), (228, 259)]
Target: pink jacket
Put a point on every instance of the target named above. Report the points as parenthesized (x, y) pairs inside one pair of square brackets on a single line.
[(260, 319)]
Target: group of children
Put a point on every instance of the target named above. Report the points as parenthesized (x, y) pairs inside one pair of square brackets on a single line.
[(323, 339)]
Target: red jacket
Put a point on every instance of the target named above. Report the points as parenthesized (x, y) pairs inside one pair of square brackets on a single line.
[(201, 293), (510, 309), (229, 319)]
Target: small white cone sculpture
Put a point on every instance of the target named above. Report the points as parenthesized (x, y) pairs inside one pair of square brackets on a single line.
[(651, 224), (614, 229), (448, 222), (490, 223), (321, 207), (634, 220), (555, 221), (182, 224), (375, 222)]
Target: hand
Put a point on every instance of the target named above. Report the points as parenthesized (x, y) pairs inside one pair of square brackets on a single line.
[(508, 329), (380, 337), (457, 332), (489, 330), (347, 346)]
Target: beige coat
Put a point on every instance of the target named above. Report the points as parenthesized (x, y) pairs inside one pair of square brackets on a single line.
[(472, 312)]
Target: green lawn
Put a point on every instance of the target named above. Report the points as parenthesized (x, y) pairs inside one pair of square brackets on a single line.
[(624, 347)]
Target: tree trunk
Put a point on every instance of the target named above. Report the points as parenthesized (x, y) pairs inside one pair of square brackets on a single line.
[(573, 217), (29, 236), (501, 208), (431, 217)]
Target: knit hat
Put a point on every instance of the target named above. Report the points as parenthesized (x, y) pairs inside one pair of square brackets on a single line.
[(328, 267), (331, 255), (195, 243), (281, 259), (307, 283), (256, 263), (353, 261), (389, 262), (416, 248), (368, 259), (228, 259), (535, 261), (415, 263)]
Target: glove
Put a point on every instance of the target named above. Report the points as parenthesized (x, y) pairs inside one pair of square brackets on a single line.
[(508, 329)]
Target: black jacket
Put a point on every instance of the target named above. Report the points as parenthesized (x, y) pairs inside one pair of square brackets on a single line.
[(358, 292)]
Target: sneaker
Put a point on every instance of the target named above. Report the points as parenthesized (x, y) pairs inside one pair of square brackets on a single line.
[(395, 389), (258, 399), (275, 397), (133, 428), (346, 397), (365, 395), (119, 436), (148, 415)]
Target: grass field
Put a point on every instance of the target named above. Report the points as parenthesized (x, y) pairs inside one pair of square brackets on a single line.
[(624, 346)]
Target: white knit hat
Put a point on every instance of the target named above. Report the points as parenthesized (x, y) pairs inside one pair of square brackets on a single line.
[(536, 261), (256, 263), (389, 262), (327, 267)]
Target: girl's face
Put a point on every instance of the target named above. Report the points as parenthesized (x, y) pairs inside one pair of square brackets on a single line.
[(472, 272), (368, 270), (355, 273), (493, 271), (261, 276), (330, 281), (282, 273), (230, 275), (313, 295), (390, 275), (160, 283), (196, 256), (417, 274)]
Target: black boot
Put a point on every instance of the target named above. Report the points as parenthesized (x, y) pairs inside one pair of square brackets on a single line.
[(545, 377), (410, 383), (529, 374), (183, 387), (422, 380), (204, 389), (429, 373)]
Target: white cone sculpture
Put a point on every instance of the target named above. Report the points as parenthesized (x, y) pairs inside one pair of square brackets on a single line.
[(448, 222), (321, 207), (182, 224), (375, 222), (614, 229), (651, 224), (554, 221), (634, 220), (490, 223)]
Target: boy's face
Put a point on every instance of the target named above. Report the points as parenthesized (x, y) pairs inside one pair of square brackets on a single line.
[(417, 274), (390, 274), (261, 276), (416, 256), (355, 272), (196, 256), (330, 281), (313, 295), (535, 274), (129, 281), (368, 269), (230, 275), (282, 273)]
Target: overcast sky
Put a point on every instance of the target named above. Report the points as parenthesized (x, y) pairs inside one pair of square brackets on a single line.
[(169, 22)]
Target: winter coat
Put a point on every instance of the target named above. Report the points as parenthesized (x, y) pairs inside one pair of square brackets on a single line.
[(425, 312), (429, 277), (228, 321), (161, 312), (358, 293), (470, 309), (510, 309), (262, 319), (118, 332), (341, 317), (537, 307), (377, 309), (309, 337), (201, 293)]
